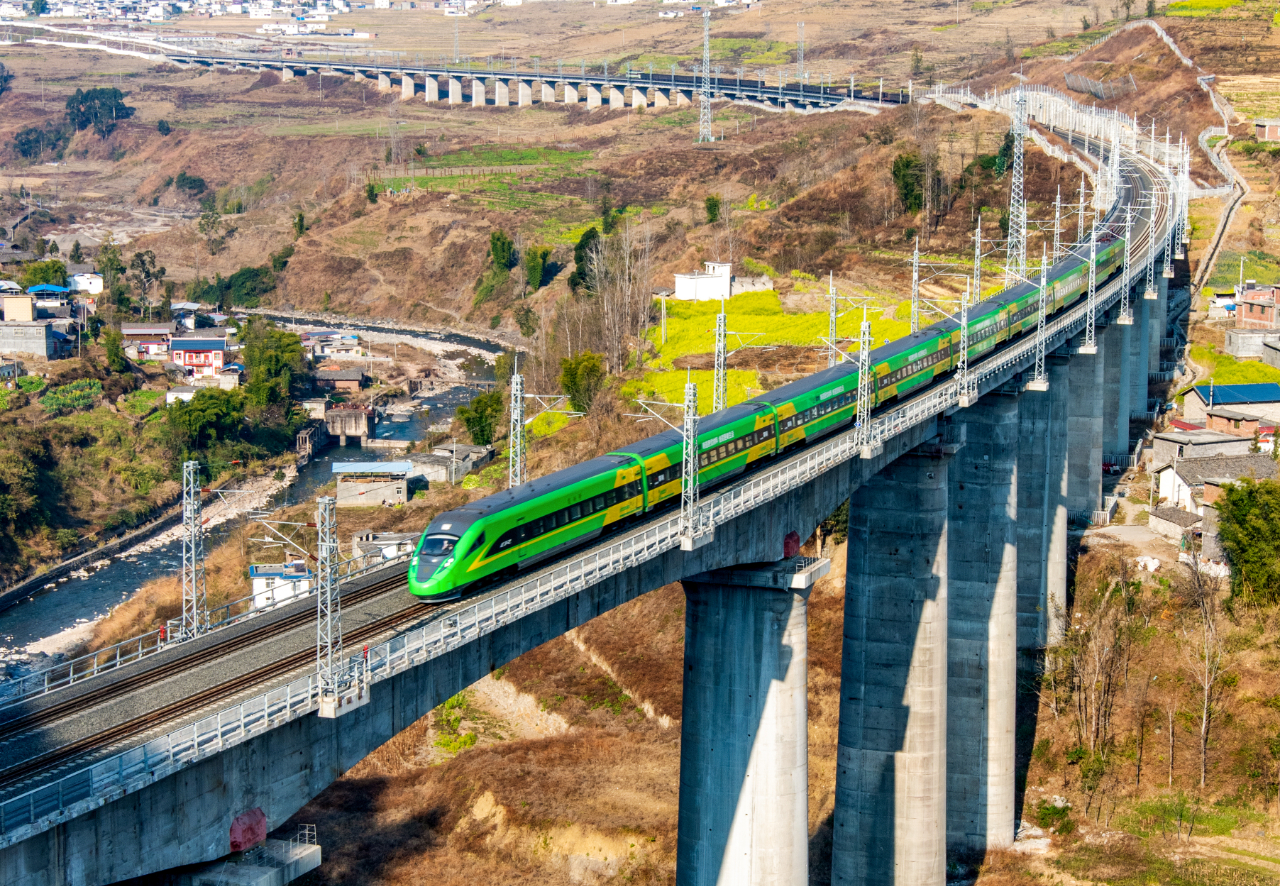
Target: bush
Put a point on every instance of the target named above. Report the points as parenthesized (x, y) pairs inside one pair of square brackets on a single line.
[(191, 183), (712, 203), (581, 378), (481, 417), (164, 127), (371, 192)]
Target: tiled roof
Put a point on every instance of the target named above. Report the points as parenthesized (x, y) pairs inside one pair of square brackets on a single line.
[(1258, 466), (1177, 516)]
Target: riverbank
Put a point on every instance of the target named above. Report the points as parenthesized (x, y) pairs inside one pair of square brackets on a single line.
[(488, 344)]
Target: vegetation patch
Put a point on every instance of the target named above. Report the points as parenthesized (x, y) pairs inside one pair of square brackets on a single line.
[(79, 394), (1227, 370), (740, 385), (1199, 8), (1258, 265), (690, 324)]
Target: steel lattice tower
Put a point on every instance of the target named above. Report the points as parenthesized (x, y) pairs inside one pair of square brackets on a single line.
[(863, 418), (832, 353), (1039, 380), (515, 458), (1126, 306), (1080, 220), (915, 287), (1090, 345), (800, 53), (962, 364), (704, 110), (328, 607), (1057, 224), (195, 613), (689, 495), (719, 395), (1016, 256), (977, 265)]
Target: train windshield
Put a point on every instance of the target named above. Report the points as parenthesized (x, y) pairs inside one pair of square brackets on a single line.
[(438, 545)]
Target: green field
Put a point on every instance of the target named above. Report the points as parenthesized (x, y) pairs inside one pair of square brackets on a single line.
[(1199, 8), (1258, 265), (740, 384), (1227, 370), (691, 325), (498, 156)]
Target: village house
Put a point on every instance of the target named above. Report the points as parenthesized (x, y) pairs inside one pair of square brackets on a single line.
[(1182, 484), (147, 341), (199, 355), (1259, 399)]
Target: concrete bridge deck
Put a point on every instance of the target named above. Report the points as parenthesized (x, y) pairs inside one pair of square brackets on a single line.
[(170, 801)]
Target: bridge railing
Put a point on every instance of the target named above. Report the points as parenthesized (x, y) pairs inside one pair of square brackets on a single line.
[(110, 658), (88, 788)]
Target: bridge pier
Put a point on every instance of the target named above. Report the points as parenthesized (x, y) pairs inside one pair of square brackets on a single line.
[(477, 92), (1085, 430), (570, 94), (524, 93), (1117, 394), (684, 98), (617, 98), (1159, 321), (1139, 356), (286, 74), (501, 93), (891, 763), (660, 99), (431, 89), (744, 776), (638, 98), (455, 91), (593, 96), (384, 82), (406, 87), (1042, 514), (982, 618), (548, 93)]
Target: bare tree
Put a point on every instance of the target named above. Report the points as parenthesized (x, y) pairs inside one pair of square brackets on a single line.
[(620, 270), (1096, 649), (1203, 651)]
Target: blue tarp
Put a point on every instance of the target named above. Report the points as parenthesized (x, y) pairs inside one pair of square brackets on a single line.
[(1230, 395), (47, 287)]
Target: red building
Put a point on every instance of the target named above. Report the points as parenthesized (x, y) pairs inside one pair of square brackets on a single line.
[(1255, 306)]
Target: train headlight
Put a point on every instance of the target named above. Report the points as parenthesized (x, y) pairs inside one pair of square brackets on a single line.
[(414, 561)]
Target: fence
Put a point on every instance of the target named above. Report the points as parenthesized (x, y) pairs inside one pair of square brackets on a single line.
[(110, 658), (95, 785), (1104, 90)]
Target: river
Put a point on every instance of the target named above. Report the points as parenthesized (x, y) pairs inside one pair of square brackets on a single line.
[(56, 619)]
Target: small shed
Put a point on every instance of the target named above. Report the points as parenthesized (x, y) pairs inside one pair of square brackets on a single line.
[(389, 544), (181, 392), (276, 582), (349, 380), (367, 484), (1173, 523)]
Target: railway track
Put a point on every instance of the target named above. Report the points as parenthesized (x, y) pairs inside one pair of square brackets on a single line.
[(148, 676), (44, 762)]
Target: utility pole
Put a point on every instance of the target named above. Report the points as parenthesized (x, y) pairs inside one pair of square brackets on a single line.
[(456, 57), (704, 111), (1016, 250), (329, 671), (195, 613)]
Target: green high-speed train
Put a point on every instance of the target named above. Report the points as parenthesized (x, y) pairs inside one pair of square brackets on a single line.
[(513, 530)]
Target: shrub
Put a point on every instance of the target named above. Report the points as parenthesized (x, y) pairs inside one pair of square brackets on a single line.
[(164, 127), (192, 183)]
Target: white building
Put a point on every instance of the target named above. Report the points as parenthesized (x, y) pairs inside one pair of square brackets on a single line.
[(712, 284), (277, 582), (87, 283)]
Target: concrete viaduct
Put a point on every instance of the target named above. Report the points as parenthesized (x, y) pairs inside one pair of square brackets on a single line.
[(956, 581), (479, 87)]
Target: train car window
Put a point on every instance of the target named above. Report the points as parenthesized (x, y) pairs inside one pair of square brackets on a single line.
[(575, 512)]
